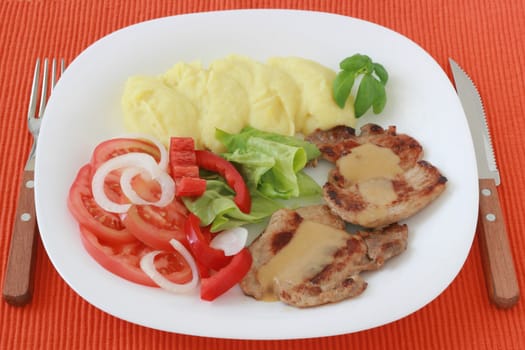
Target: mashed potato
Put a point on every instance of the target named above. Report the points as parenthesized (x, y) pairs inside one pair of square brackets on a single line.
[(286, 95)]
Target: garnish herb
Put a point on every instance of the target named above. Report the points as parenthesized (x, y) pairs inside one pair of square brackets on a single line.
[(371, 90)]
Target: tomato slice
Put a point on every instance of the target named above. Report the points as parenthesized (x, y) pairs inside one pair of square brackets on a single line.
[(113, 189), (118, 146), (155, 226), (227, 277), (173, 266), (210, 161), (106, 226), (124, 260)]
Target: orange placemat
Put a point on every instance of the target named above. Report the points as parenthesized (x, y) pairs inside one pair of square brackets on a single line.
[(485, 36)]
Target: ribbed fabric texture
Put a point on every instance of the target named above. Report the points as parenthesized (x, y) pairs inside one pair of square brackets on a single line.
[(486, 37)]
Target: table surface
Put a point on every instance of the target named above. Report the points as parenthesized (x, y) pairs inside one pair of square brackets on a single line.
[(486, 37)]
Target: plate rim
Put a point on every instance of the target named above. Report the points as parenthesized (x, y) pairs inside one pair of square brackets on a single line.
[(235, 12)]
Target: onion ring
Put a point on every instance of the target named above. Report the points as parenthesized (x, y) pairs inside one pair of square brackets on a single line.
[(230, 241), (164, 157), (147, 264), (165, 181), (140, 160)]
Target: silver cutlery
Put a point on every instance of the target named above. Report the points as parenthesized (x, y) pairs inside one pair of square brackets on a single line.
[(18, 282), (496, 255)]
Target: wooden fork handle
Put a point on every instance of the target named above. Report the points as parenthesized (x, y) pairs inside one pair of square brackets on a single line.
[(18, 283), (500, 275)]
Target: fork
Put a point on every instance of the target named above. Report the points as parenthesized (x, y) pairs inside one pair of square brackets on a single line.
[(19, 278)]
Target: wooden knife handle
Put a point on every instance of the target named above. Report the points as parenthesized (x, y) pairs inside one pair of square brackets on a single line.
[(500, 275), (18, 283)]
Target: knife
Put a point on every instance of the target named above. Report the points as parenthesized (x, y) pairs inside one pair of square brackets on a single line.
[(498, 265)]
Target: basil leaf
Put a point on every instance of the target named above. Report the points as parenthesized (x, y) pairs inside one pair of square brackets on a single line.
[(380, 97), (371, 91), (343, 83), (381, 73), (355, 62), (366, 95)]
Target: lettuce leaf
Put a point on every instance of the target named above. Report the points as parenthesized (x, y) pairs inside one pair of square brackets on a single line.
[(216, 207), (272, 166), (237, 141), (270, 163)]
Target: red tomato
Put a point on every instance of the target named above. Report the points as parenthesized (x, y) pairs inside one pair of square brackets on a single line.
[(112, 187), (210, 161), (227, 277), (147, 189), (173, 266), (116, 147), (106, 226), (124, 260), (155, 226)]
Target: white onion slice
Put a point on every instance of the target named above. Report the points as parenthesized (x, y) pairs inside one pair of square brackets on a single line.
[(147, 264), (165, 181), (141, 160), (231, 241), (164, 157)]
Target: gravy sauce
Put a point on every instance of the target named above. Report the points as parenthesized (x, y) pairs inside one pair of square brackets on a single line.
[(311, 248), (372, 168)]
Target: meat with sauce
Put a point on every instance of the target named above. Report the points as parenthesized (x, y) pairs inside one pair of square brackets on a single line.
[(333, 278), (386, 196)]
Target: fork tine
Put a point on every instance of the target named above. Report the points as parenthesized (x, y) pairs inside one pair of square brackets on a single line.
[(34, 94), (53, 73), (43, 96)]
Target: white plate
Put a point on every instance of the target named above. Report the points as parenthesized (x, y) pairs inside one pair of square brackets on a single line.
[(85, 109)]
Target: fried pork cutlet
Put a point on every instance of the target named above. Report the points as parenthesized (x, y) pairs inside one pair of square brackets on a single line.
[(379, 178), (305, 257)]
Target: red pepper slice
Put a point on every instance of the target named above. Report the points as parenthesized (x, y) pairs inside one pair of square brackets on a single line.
[(181, 144), (184, 169), (210, 161), (190, 187), (180, 171), (209, 257), (204, 271), (227, 277), (182, 157)]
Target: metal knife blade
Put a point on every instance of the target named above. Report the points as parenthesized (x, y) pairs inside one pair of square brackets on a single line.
[(473, 107), (496, 255)]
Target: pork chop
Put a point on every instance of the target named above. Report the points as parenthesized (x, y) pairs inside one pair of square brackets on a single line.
[(417, 183), (337, 279)]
